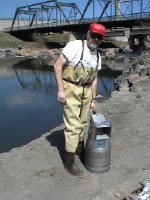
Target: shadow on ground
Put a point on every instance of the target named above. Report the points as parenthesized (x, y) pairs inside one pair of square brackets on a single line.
[(57, 139)]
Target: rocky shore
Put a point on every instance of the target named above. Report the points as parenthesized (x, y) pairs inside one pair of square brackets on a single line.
[(23, 52)]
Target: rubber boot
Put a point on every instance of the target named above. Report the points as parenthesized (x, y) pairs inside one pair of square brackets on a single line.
[(71, 166), (80, 149)]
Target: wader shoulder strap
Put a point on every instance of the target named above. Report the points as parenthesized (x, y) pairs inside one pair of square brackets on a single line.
[(97, 61), (81, 57)]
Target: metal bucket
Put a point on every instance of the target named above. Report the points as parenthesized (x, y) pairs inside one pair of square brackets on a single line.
[(98, 145)]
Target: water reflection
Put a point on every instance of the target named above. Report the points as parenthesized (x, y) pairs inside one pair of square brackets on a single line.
[(40, 77), (36, 80), (28, 100)]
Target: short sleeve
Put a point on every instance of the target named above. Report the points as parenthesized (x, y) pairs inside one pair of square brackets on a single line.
[(71, 49)]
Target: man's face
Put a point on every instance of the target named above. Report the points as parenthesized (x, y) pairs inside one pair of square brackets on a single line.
[(93, 40)]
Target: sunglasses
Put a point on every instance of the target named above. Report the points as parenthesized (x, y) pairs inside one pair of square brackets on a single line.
[(95, 35)]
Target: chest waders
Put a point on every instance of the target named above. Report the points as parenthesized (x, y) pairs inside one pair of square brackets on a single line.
[(80, 75), (77, 85)]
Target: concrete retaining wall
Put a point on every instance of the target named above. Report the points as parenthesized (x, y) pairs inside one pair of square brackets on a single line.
[(5, 24)]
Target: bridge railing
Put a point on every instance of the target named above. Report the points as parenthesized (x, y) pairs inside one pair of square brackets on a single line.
[(138, 16)]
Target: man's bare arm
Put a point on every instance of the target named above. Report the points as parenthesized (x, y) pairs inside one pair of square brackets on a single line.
[(94, 87), (61, 61)]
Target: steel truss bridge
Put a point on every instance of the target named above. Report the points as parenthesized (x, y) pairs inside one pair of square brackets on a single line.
[(54, 16)]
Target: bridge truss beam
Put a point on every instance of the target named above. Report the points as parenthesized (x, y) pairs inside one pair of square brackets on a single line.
[(49, 12)]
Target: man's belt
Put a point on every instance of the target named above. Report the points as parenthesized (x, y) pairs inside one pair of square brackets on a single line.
[(77, 83)]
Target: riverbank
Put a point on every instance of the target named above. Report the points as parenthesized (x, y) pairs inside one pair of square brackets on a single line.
[(46, 46)]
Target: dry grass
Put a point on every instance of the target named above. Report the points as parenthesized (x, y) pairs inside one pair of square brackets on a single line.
[(8, 41)]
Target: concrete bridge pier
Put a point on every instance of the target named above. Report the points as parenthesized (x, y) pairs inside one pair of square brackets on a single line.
[(75, 36), (138, 42)]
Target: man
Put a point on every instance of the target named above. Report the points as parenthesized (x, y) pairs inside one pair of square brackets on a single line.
[(76, 75)]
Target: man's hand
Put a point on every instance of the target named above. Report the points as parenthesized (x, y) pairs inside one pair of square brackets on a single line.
[(61, 96), (93, 105)]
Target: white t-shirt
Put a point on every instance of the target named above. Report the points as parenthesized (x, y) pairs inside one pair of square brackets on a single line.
[(73, 51)]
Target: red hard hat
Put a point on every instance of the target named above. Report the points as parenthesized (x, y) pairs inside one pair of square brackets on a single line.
[(97, 28)]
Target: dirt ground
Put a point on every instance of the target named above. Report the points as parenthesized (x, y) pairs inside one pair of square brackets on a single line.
[(36, 172)]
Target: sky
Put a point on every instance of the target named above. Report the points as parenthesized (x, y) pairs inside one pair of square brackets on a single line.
[(8, 7)]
